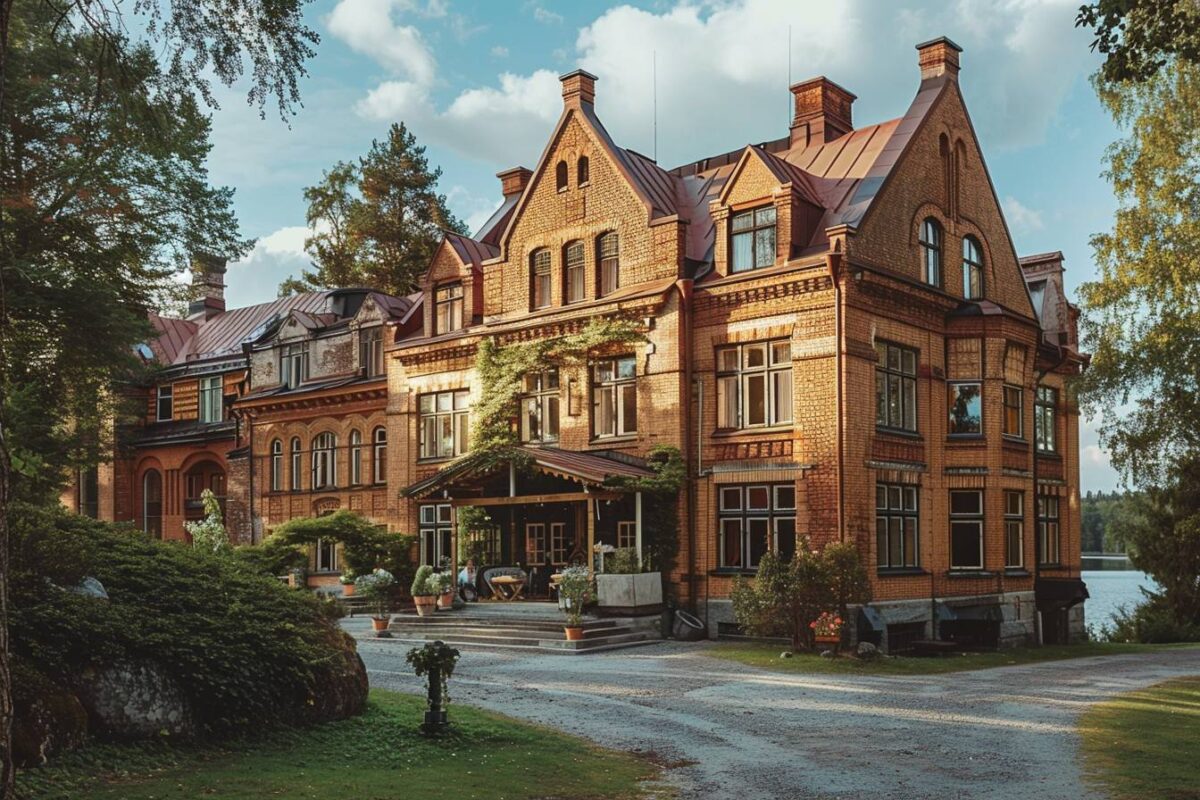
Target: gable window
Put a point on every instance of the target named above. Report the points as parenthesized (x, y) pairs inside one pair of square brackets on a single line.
[(539, 279), (276, 465), (560, 176), (324, 464), (966, 529), (895, 387), (581, 176), (966, 409), (296, 464), (210, 399), (614, 397), (896, 529), (608, 258), (436, 532), (972, 269), (379, 455), (931, 252), (164, 406), (1045, 424), (573, 272), (1048, 532), (1014, 529), (293, 364), (448, 308), (540, 407), (370, 351), (754, 385), (355, 457), (1014, 402), (444, 420), (753, 519), (752, 239)]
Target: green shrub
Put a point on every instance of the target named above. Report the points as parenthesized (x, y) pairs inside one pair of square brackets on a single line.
[(365, 545), (274, 556), (1151, 621), (622, 561), (420, 583), (246, 649)]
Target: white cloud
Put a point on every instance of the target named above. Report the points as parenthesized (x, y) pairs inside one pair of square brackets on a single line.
[(1022, 218), (1093, 454), (471, 208), (276, 256), (367, 26), (500, 51), (546, 16)]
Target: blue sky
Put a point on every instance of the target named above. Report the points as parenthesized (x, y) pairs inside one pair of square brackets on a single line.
[(477, 83)]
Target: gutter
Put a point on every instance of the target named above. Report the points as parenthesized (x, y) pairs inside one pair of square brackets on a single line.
[(685, 287)]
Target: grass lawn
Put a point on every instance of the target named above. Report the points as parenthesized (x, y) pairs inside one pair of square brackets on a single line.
[(1145, 743), (378, 755), (764, 655)]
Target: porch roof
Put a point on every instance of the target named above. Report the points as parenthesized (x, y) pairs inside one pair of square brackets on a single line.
[(590, 469)]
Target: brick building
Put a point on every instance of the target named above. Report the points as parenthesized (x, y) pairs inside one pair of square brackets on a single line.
[(838, 336)]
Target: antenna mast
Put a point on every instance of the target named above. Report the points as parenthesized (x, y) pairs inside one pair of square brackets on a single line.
[(654, 81)]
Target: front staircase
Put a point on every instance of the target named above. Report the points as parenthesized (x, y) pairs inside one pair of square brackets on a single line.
[(520, 627)]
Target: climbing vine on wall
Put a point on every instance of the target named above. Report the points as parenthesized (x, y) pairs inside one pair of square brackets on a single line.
[(661, 515)]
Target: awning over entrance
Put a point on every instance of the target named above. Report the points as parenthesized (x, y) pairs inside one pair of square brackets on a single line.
[(1063, 592)]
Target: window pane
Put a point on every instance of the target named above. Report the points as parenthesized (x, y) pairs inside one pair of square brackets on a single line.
[(880, 496), (895, 418), (754, 355), (731, 498), (460, 400), (966, 502), (731, 544), (758, 498), (965, 545), (881, 538), (785, 537), (727, 402), (910, 498), (894, 497), (551, 421), (908, 362), (909, 401), (881, 398), (444, 401), (759, 533), (764, 247), (463, 433), (626, 367), (781, 401), (911, 558), (785, 498), (895, 541), (756, 400), (741, 257), (781, 352), (966, 409), (727, 360), (629, 409)]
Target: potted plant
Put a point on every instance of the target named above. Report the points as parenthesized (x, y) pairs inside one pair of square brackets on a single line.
[(347, 581), (827, 628), (624, 587), (445, 586), (377, 588), (424, 596), (573, 589)]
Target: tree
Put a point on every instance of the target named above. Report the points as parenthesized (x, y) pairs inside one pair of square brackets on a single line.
[(376, 222), (1139, 37), (209, 533)]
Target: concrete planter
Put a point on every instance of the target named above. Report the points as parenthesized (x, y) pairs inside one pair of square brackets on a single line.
[(629, 592)]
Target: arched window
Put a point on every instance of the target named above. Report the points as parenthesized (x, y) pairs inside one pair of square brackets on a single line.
[(573, 272), (608, 262), (296, 465), (355, 458), (379, 456), (581, 176), (324, 467), (972, 269), (931, 252), (276, 465), (560, 176), (152, 503), (539, 279)]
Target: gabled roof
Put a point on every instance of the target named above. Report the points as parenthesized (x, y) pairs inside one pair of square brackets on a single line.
[(470, 251)]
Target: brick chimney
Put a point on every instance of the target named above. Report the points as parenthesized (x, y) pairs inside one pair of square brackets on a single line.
[(208, 282), (513, 181), (822, 112), (938, 57), (578, 87)]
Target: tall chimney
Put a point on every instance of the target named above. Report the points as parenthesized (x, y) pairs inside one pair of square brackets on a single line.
[(938, 57), (513, 181), (578, 87), (822, 112), (208, 281)]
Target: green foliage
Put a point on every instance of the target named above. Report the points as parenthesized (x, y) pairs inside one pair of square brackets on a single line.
[(1099, 513), (247, 650), (622, 561), (209, 533), (437, 656), (660, 508), (575, 588), (1150, 622), (379, 220), (376, 586), (273, 557), (365, 545), (1139, 37), (471, 547), (420, 583)]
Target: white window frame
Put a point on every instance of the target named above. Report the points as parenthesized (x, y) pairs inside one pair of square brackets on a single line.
[(964, 518), (541, 406), (293, 364), (443, 424), (1014, 529), (733, 384), (575, 272), (1045, 418), (210, 401), (897, 506), (379, 455), (324, 461), (768, 226), (436, 530), (370, 351), (297, 458), (448, 308), (734, 504), (166, 392), (612, 380), (355, 457), (326, 558), (276, 465), (1049, 527), (932, 236)]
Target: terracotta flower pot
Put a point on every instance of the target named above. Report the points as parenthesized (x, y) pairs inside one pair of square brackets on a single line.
[(574, 634), (446, 599), (827, 639), (348, 590), (426, 604), (379, 624)]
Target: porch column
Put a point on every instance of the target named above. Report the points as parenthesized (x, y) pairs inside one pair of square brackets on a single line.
[(591, 533), (637, 525)]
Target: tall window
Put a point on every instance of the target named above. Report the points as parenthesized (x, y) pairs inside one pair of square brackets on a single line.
[(89, 492), (614, 397), (379, 455), (582, 173), (1014, 529), (754, 385), (966, 529), (535, 543), (573, 272), (931, 252), (152, 503), (752, 239), (370, 351), (1048, 532), (539, 279), (608, 259), (210, 399), (448, 308), (896, 528), (1014, 408), (540, 406), (444, 423), (1045, 423), (895, 387), (560, 176), (972, 269), (754, 519), (276, 465), (326, 555), (324, 461), (293, 364), (164, 404), (436, 533), (560, 543), (296, 464), (355, 457), (966, 409)]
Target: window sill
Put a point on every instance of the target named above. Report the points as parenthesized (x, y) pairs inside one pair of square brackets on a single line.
[(1016, 572), (725, 433), (914, 435), (437, 460), (1011, 439), (1055, 565), (897, 572), (970, 573), (624, 437), (1049, 454), (968, 438), (729, 572)]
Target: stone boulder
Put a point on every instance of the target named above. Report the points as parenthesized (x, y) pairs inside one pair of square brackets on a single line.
[(128, 700), (341, 686), (47, 719), (867, 651)]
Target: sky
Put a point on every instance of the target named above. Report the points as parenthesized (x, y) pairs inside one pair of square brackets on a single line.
[(477, 83)]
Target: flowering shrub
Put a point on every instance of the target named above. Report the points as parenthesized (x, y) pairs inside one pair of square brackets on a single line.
[(828, 624), (209, 533), (377, 587), (575, 588)]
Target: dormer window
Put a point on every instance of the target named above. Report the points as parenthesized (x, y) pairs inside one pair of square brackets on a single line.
[(560, 176), (573, 272), (293, 364), (164, 406), (752, 239), (370, 351), (972, 269), (448, 308), (931, 252), (539, 279), (581, 176)]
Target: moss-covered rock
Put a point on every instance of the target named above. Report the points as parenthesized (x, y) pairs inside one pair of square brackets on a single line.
[(48, 718), (128, 700)]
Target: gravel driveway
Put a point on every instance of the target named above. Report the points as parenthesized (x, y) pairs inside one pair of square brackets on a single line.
[(741, 732)]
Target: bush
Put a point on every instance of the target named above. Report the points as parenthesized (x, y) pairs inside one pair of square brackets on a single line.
[(365, 545), (1151, 622), (622, 561), (247, 650), (421, 583)]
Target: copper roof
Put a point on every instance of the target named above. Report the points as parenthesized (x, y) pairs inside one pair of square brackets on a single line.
[(470, 251)]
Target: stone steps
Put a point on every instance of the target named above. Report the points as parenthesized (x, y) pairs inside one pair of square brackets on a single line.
[(512, 632)]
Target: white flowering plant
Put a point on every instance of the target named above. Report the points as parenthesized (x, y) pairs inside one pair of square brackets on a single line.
[(377, 587), (575, 587), (209, 533)]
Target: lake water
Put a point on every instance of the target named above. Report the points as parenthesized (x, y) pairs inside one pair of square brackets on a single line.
[(1111, 589)]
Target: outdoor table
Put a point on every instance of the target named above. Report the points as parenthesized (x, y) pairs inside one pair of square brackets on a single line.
[(508, 587)]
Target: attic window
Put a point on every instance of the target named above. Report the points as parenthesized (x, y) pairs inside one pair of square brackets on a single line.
[(448, 308), (560, 176), (573, 272), (582, 172), (370, 351), (931, 252), (539, 279), (972, 268), (752, 243), (293, 364)]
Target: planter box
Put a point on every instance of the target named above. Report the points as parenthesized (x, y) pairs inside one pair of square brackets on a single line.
[(641, 592)]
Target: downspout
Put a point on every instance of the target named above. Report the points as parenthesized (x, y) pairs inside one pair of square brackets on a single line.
[(685, 287), (834, 262), (1037, 538)]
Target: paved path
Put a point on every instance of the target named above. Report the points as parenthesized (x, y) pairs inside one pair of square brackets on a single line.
[(749, 733)]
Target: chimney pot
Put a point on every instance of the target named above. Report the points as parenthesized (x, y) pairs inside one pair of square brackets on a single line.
[(513, 181), (938, 57), (822, 112), (578, 87), (208, 281)]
